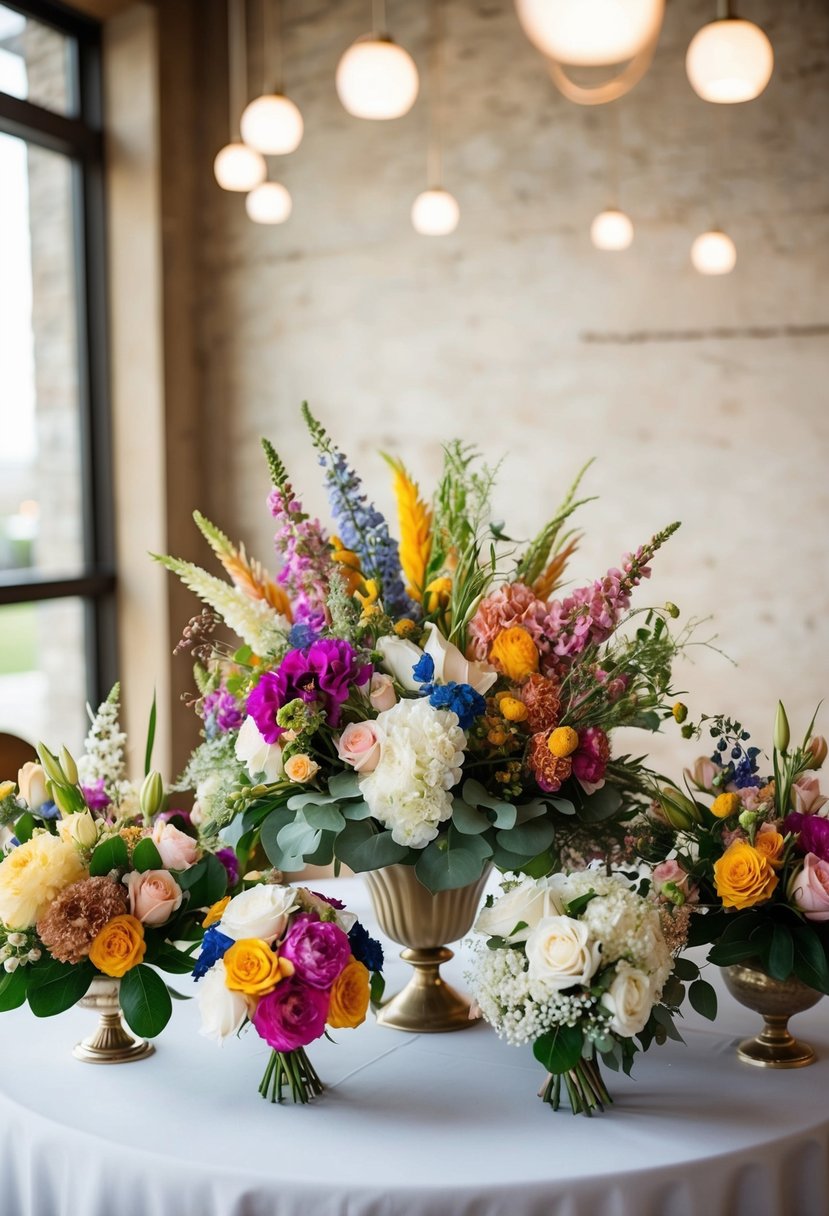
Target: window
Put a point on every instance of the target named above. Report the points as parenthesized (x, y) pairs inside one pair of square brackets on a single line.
[(57, 584)]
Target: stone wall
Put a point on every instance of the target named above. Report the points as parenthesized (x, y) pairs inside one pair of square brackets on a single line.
[(702, 399)]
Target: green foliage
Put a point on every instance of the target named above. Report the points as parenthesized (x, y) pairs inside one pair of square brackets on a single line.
[(452, 861), (111, 854), (145, 856), (560, 1049), (205, 882), (54, 987), (145, 1001), (13, 988), (25, 826), (543, 548)]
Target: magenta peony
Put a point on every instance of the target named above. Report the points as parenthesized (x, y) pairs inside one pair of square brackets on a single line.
[(319, 950), (292, 1015)]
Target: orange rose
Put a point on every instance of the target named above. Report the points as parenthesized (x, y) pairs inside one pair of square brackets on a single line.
[(253, 968), (349, 997), (119, 946), (769, 842), (744, 876)]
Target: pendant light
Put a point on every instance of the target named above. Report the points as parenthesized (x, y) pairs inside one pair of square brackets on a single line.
[(236, 166), (272, 123), (376, 78), (612, 230), (435, 212), (269, 203), (713, 252), (729, 60), (602, 34)]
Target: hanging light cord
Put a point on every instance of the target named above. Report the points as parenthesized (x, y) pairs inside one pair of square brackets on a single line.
[(272, 39), (724, 12), (615, 155), (434, 160), (378, 18), (237, 66)]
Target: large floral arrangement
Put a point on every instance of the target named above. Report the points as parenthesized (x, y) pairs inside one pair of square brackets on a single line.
[(291, 963), (749, 851), (432, 702), (578, 965), (98, 880)]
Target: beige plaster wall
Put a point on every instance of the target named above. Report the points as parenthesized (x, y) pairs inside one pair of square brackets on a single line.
[(702, 399)]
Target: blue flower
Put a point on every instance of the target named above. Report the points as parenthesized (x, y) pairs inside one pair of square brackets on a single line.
[(302, 634), (214, 944), (424, 669), (47, 810), (462, 699), (365, 948)]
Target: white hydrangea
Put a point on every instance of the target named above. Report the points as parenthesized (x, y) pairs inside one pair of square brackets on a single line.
[(420, 762)]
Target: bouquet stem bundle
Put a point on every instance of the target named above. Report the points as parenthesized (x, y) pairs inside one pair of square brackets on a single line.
[(292, 1068), (585, 1088)]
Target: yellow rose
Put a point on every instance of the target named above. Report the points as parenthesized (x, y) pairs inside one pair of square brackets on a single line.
[(769, 843), (253, 968), (119, 946), (214, 912), (349, 997), (563, 741), (513, 709), (744, 876), (725, 805), (33, 875), (515, 653), (301, 768)]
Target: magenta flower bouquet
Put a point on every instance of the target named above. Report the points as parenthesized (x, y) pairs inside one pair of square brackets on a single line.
[(292, 964)]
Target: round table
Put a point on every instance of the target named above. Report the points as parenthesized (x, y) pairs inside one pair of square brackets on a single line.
[(409, 1125)]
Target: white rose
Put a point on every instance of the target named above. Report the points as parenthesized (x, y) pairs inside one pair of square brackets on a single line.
[(31, 781), (222, 1011), (629, 999), (450, 664), (529, 902), (261, 758), (261, 911), (400, 657), (560, 953)]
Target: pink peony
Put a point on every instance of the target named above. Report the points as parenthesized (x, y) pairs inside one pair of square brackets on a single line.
[(292, 1015), (318, 949), (360, 745), (591, 757), (810, 888), (154, 896)]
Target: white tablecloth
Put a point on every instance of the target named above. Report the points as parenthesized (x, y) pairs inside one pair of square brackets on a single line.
[(430, 1125)]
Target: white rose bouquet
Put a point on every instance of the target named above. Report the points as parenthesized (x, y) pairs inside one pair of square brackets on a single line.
[(579, 966)]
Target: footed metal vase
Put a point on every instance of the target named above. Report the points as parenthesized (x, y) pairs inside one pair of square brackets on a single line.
[(111, 1043), (777, 1001)]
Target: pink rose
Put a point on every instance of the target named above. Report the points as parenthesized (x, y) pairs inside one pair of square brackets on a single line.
[(154, 896), (810, 888), (359, 745), (702, 774), (806, 796), (677, 880), (178, 851), (381, 692)]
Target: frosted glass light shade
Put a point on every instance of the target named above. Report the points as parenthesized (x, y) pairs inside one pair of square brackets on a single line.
[(713, 253), (377, 79), (435, 213), (612, 230), (590, 32), (729, 61), (269, 203), (272, 124), (238, 167)]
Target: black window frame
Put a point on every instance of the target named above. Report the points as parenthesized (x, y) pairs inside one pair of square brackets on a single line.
[(80, 138)]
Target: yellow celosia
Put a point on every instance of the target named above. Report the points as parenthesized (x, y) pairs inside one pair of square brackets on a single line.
[(415, 519), (515, 653)]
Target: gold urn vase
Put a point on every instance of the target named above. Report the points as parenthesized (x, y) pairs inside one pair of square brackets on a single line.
[(111, 1043), (423, 922), (777, 1001)]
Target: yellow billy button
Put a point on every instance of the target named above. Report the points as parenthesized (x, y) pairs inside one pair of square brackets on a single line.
[(725, 805), (563, 742), (252, 967), (513, 709)]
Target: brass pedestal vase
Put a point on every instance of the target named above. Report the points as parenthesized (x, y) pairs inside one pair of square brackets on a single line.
[(411, 915), (111, 1042), (777, 1001)]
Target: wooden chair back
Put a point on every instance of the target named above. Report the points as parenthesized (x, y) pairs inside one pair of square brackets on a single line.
[(14, 752)]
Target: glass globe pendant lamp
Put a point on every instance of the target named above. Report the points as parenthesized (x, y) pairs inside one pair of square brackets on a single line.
[(237, 167), (435, 212), (729, 60), (713, 252), (272, 123), (376, 78)]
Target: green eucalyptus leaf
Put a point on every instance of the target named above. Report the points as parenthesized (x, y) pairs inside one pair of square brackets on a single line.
[(362, 847), (356, 810), (326, 818), (601, 805), (468, 819), (452, 861), (344, 785), (528, 839), (297, 840), (298, 802), (277, 819), (475, 794)]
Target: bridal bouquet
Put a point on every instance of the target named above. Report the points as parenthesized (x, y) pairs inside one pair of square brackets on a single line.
[(580, 966), (749, 851), (97, 881), (434, 702), (293, 964)]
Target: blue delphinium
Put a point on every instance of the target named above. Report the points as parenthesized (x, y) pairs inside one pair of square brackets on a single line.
[(424, 672), (365, 948), (302, 634), (462, 699), (213, 947)]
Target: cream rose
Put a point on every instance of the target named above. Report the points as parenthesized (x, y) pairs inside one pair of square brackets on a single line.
[(222, 1011), (629, 1000), (154, 896), (381, 692), (301, 768), (261, 911), (262, 759), (177, 850), (31, 782), (360, 745), (560, 953), (527, 903)]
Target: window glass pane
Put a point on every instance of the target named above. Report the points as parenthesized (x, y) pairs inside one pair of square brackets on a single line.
[(40, 473), (37, 63), (42, 677)]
